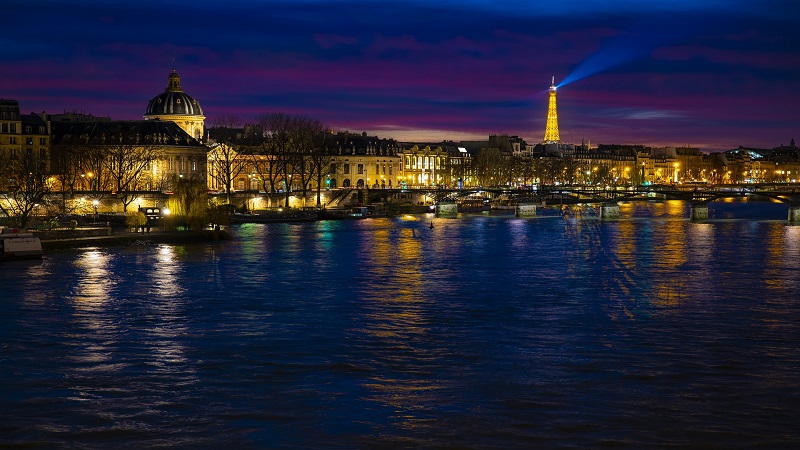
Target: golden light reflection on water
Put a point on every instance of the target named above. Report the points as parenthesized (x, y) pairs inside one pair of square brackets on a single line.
[(94, 280), (95, 286), (670, 254), (166, 312), (110, 306), (791, 252), (652, 233), (164, 278), (783, 254), (397, 320), (624, 258)]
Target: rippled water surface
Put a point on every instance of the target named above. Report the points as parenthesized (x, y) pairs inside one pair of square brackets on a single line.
[(483, 332)]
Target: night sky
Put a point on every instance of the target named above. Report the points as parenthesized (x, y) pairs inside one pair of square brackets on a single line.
[(714, 74)]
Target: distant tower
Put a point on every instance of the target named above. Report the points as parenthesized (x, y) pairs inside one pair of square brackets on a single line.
[(551, 129)]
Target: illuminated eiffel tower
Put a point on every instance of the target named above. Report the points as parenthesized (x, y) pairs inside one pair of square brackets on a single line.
[(551, 129)]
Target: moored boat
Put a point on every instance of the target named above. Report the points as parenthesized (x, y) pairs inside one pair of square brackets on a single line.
[(359, 212), (17, 245), (272, 217)]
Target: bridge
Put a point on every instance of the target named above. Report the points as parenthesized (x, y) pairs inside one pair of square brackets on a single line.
[(698, 195)]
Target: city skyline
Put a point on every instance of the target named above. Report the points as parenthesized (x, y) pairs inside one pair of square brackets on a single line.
[(712, 74)]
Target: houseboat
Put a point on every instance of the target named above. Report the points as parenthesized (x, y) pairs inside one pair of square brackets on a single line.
[(19, 245)]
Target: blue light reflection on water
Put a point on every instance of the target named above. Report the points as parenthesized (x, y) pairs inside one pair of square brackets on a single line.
[(482, 332)]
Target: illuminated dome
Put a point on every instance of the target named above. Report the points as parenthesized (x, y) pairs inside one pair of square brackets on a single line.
[(177, 106), (173, 101)]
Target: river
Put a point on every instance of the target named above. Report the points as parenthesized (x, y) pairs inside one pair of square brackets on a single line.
[(562, 330)]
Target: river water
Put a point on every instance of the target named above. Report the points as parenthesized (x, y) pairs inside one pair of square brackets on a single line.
[(483, 332)]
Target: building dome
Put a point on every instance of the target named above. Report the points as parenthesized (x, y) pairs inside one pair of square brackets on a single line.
[(173, 101), (176, 106)]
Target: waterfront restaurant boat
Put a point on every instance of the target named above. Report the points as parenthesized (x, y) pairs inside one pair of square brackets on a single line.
[(359, 212), (16, 245), (273, 217)]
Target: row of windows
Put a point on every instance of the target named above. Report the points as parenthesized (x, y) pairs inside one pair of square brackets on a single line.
[(182, 163), (361, 169), (423, 162), (12, 128), (28, 141)]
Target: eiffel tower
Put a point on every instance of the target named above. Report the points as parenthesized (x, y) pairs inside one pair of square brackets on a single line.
[(551, 129)]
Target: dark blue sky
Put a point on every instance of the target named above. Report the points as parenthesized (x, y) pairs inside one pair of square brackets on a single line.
[(715, 74)]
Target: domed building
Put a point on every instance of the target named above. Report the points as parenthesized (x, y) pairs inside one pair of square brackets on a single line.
[(176, 106)]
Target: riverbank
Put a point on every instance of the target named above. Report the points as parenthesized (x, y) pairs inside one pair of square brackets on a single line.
[(127, 238)]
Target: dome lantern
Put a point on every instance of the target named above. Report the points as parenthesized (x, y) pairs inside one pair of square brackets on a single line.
[(174, 83)]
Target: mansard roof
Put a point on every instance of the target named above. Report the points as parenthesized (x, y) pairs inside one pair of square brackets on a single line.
[(128, 132), (32, 119), (9, 109), (355, 144)]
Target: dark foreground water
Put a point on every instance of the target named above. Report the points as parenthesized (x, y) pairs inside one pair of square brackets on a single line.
[(483, 332)]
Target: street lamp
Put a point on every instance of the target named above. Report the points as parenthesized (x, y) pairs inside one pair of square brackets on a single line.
[(164, 214), (94, 204)]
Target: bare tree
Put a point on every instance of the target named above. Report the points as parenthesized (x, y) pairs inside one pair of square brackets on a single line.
[(320, 160), (24, 185), (315, 158), (488, 166), (225, 161), (278, 143), (127, 163), (65, 167)]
